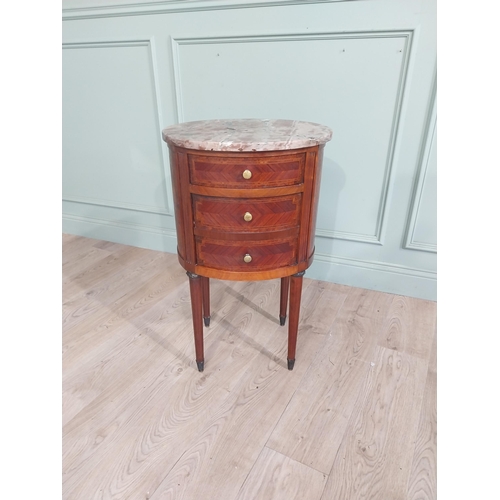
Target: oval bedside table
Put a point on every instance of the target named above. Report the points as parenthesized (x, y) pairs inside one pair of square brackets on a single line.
[(245, 197)]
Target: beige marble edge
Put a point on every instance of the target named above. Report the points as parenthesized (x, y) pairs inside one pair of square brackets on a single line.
[(281, 135)]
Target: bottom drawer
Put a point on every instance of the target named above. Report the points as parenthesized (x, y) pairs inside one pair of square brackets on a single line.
[(246, 256)]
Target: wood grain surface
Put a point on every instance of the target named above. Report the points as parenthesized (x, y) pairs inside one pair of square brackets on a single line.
[(267, 171), (279, 477), (375, 456), (227, 214), (422, 484), (356, 418), (313, 425), (219, 197), (265, 254)]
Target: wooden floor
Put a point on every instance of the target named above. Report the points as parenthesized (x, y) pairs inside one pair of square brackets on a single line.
[(355, 419)]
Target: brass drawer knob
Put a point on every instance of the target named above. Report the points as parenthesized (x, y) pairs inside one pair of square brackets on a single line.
[(247, 258), (248, 216), (247, 174)]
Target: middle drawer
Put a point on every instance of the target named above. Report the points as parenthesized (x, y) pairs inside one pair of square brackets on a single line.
[(247, 214)]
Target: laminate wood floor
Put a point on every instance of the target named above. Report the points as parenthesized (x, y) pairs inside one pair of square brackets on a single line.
[(355, 419)]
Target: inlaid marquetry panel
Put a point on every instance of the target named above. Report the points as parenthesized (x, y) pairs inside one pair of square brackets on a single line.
[(228, 171), (229, 255), (247, 215)]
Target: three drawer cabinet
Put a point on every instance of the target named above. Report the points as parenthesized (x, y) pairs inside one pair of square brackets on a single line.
[(246, 197)]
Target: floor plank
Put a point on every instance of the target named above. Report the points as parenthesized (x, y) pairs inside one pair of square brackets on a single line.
[(375, 456), (103, 309), (164, 373), (312, 427), (410, 326), (277, 477), (108, 317), (73, 247), (422, 484), (100, 271), (155, 380)]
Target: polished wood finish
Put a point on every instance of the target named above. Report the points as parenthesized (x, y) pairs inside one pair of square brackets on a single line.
[(315, 181), (140, 422), (228, 214), (285, 285), (280, 234), (247, 216), (246, 193), (195, 288), (205, 288), (188, 252), (246, 275), (306, 232), (265, 171), (293, 320), (230, 254)]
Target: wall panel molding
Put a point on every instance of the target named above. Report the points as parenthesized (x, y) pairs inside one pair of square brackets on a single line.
[(377, 266), (423, 167), (177, 42), (121, 224), (103, 44), (343, 235), (374, 275), (127, 233), (112, 204), (160, 120), (81, 9)]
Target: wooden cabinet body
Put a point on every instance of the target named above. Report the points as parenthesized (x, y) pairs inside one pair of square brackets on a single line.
[(245, 215)]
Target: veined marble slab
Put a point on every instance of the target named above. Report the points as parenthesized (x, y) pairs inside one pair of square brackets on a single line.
[(246, 135)]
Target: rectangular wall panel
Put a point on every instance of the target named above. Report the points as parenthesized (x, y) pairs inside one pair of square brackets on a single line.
[(422, 224), (350, 82), (425, 231), (112, 150)]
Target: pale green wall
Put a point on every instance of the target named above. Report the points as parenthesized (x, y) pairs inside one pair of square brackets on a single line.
[(367, 69)]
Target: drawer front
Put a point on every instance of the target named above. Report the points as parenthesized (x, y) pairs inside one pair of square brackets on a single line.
[(235, 172), (249, 256), (247, 214)]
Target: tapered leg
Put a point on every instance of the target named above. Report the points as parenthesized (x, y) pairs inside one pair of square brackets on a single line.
[(285, 285), (196, 307), (293, 318), (205, 286)]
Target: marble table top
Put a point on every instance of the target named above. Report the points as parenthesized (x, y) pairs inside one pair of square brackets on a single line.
[(246, 135)]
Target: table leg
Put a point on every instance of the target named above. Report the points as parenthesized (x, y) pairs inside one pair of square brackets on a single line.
[(196, 308), (205, 286), (285, 285), (293, 319)]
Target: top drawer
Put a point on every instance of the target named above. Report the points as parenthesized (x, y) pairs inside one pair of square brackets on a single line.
[(246, 172)]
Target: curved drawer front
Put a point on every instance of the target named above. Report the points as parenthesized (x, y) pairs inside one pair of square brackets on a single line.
[(247, 214), (246, 172), (246, 256)]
